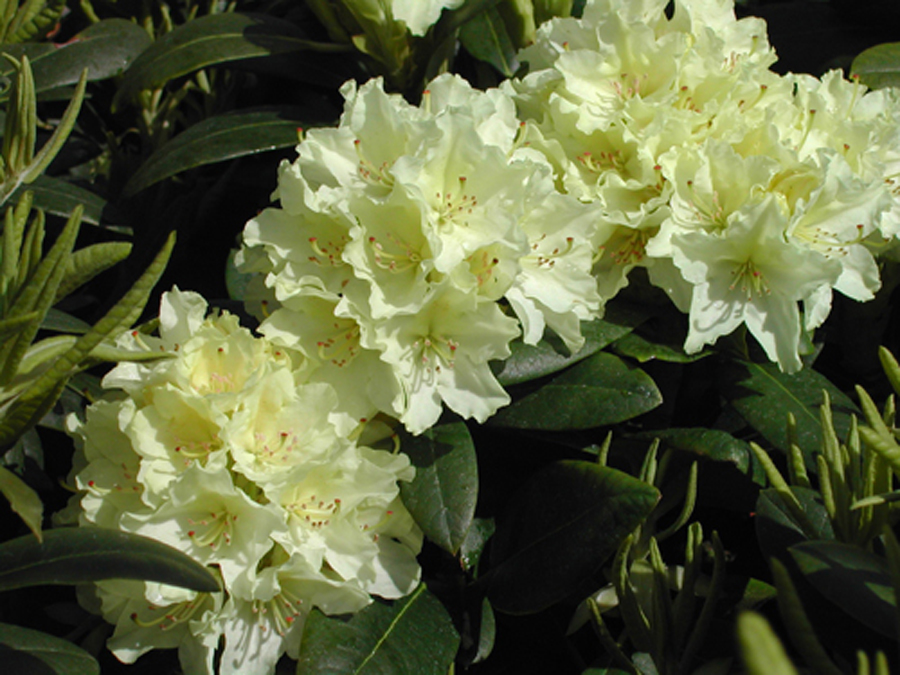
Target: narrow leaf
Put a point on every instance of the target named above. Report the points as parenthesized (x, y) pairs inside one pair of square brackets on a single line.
[(28, 652), (411, 636), (59, 197), (761, 649), (105, 49), (214, 39), (66, 123), (217, 139), (22, 499), (86, 263), (442, 496), (81, 554), (558, 529)]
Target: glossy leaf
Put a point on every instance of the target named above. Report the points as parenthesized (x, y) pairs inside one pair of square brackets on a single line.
[(217, 139), (442, 496), (60, 198), (30, 652), (714, 444), (22, 499), (410, 636), (215, 39), (530, 362), (558, 529), (105, 49), (598, 391), (854, 579), (879, 66), (82, 554), (643, 350), (763, 395), (480, 531), (485, 37)]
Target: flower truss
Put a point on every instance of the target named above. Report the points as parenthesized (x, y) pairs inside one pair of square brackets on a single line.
[(412, 244), (228, 453), (747, 195)]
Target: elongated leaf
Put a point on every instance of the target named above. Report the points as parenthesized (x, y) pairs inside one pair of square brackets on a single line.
[(86, 263), (530, 362), (30, 652), (14, 324), (411, 636), (598, 391), (854, 579), (764, 396), (22, 499), (217, 139), (761, 649), (879, 66), (442, 496), (34, 19), (82, 554), (60, 198), (105, 49), (642, 350), (211, 40), (452, 20), (34, 402), (558, 529), (485, 37)]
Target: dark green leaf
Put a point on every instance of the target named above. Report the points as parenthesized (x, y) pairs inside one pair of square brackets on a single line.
[(105, 49), (714, 444), (485, 37), (22, 499), (452, 20), (217, 139), (550, 355), (879, 66), (558, 529), (57, 320), (776, 527), (30, 652), (641, 349), (472, 547), (60, 198), (78, 555), (214, 39), (411, 636), (763, 395), (854, 579), (598, 391), (442, 496)]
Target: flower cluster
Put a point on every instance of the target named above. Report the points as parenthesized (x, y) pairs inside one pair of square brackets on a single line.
[(412, 243), (746, 195), (226, 452), (404, 241)]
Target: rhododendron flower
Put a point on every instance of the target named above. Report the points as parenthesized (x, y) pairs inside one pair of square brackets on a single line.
[(227, 452)]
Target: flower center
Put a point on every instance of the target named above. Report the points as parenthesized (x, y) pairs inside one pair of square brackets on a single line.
[(601, 162), (750, 280), (282, 611), (214, 530), (341, 347), (435, 350), (315, 513), (277, 448), (547, 259), (402, 259), (379, 176), (172, 615), (328, 253), (454, 207)]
